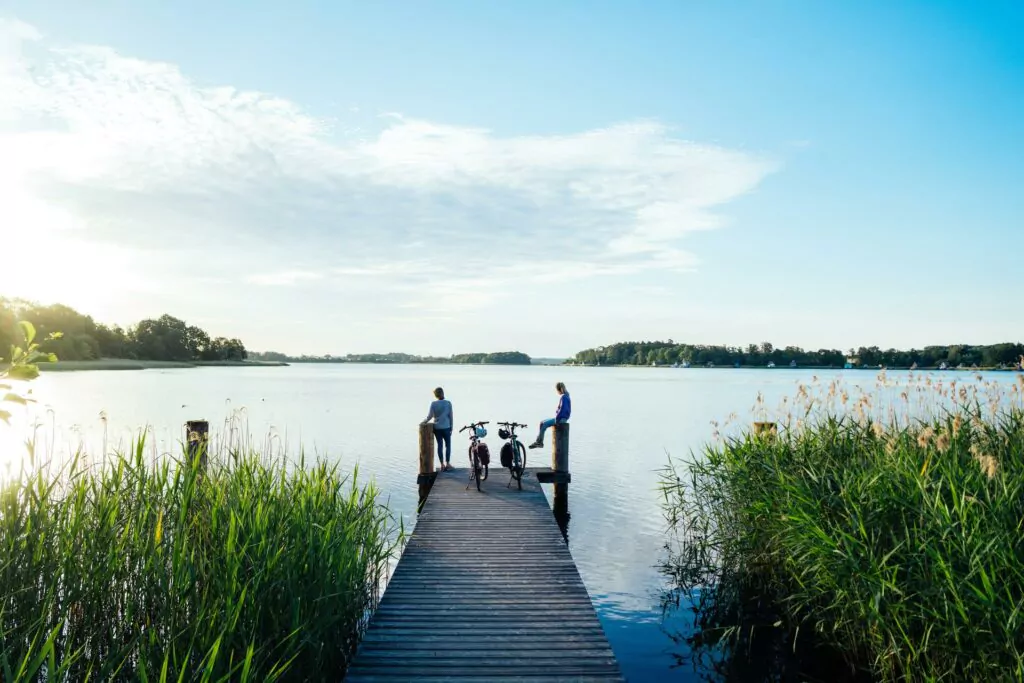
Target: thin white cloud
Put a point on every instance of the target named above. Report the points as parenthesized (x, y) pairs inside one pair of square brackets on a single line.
[(284, 278), (386, 269), (136, 155)]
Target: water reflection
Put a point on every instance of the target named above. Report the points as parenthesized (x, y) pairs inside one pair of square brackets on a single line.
[(642, 642), (741, 647), (640, 630)]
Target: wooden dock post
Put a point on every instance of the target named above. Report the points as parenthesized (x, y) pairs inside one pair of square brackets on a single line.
[(559, 473), (560, 448), (197, 440), (560, 465), (426, 475), (426, 450)]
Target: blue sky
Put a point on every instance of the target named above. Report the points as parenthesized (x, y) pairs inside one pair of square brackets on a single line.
[(439, 177)]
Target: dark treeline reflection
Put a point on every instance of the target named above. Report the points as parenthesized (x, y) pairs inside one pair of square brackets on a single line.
[(761, 649)]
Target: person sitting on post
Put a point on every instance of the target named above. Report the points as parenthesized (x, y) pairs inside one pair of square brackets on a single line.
[(561, 415)]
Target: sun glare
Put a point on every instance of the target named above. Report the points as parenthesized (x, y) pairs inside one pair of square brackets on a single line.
[(12, 446), (18, 432), (58, 263)]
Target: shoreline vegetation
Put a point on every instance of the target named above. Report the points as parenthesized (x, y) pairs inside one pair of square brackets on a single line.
[(874, 536), (252, 362), (763, 355), (76, 337), (808, 368), (130, 364), (168, 342), (496, 358)]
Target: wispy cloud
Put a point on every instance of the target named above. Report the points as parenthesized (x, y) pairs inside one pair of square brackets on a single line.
[(137, 156), (283, 277)]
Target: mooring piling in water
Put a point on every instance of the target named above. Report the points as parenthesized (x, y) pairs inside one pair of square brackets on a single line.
[(561, 476), (560, 448), (197, 440), (559, 472), (486, 590), (426, 469)]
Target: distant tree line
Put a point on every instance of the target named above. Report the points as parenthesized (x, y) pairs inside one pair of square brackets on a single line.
[(991, 356), (670, 353), (500, 358), (163, 338)]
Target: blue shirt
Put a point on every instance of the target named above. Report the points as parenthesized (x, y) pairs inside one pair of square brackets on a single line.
[(564, 407)]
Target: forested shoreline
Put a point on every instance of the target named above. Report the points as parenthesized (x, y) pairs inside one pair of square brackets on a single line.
[(1006, 355), (80, 338), (498, 358), (170, 339)]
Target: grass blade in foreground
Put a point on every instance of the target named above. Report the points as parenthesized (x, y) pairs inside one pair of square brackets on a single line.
[(250, 570)]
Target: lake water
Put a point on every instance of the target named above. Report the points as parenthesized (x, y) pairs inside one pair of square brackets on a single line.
[(626, 421)]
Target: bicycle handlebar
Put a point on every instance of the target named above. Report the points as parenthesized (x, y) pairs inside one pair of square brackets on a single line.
[(512, 424), (475, 424)]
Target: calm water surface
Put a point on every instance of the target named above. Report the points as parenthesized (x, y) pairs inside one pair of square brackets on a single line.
[(625, 424)]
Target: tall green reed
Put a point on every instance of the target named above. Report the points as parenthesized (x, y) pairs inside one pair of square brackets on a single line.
[(140, 569), (892, 538)]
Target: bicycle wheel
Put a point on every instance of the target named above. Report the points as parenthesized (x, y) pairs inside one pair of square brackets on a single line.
[(474, 467), (522, 463)]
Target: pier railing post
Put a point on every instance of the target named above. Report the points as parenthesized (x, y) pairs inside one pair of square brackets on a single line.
[(426, 469)]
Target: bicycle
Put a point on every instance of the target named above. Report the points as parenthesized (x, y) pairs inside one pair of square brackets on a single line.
[(513, 453), (479, 455)]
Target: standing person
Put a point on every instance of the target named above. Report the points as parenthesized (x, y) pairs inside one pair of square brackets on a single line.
[(561, 414), (441, 413)]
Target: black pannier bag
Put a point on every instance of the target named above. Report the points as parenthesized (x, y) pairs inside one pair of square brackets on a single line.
[(506, 455)]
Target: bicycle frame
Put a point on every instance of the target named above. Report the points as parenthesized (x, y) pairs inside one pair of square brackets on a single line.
[(478, 471), (518, 465)]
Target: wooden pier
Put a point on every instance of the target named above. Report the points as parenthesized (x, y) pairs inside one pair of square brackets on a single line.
[(486, 590)]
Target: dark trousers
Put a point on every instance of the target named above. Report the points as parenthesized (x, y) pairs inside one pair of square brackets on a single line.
[(444, 444), (545, 426)]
